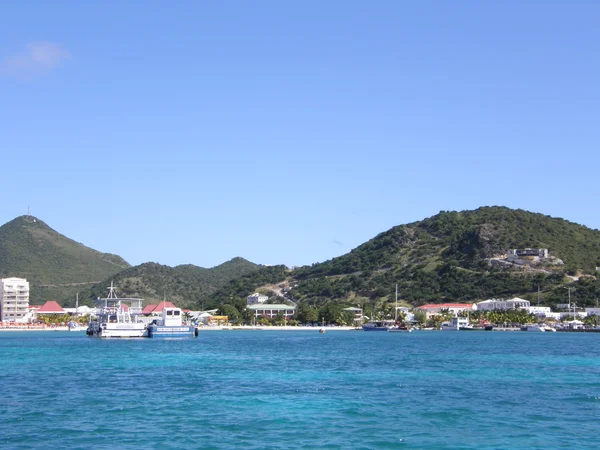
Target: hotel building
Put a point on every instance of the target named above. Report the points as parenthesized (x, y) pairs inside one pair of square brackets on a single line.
[(14, 299)]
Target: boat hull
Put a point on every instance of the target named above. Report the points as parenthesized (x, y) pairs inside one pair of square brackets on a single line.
[(159, 331), (114, 331), (375, 328)]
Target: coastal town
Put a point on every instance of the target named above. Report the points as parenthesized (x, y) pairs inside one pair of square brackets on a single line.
[(16, 312)]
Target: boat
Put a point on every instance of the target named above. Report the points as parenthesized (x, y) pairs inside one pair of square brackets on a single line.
[(539, 327), (73, 326), (322, 329), (170, 325), (117, 317), (378, 325)]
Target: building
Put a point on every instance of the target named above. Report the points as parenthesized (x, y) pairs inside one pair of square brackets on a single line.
[(454, 308), (270, 311), (156, 310), (538, 310), (256, 299), (496, 303), (51, 307), (358, 314), (14, 299), (592, 311), (527, 255)]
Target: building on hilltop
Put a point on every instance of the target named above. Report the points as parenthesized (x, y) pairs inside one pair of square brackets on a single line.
[(527, 255), (14, 299), (256, 299)]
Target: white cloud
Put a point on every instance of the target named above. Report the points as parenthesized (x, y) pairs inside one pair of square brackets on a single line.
[(38, 58)]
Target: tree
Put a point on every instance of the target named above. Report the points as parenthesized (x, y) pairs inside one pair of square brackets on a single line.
[(420, 316), (231, 312)]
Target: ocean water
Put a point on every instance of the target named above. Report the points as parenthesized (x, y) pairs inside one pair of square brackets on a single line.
[(288, 389)]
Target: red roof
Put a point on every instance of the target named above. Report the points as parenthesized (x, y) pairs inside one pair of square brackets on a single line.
[(446, 305), (51, 307), (149, 309)]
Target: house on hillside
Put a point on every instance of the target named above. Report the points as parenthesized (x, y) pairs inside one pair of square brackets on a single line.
[(256, 299), (527, 255)]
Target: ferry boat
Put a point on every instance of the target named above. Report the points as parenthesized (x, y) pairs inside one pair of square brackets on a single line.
[(118, 317), (170, 325)]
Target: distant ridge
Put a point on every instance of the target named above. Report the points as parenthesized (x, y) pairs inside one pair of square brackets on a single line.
[(185, 285)]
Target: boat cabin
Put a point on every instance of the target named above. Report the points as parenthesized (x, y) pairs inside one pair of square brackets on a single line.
[(171, 317)]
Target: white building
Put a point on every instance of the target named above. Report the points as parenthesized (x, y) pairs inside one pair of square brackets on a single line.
[(538, 310), (14, 299), (592, 311), (496, 303), (453, 308), (256, 299), (527, 255), (271, 311)]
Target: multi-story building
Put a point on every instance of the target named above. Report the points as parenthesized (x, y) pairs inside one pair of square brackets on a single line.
[(256, 299), (453, 308), (495, 303), (14, 299), (271, 311)]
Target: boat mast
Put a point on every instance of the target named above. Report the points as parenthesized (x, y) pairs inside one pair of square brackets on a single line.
[(396, 310)]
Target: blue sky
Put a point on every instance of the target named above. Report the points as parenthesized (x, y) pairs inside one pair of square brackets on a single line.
[(292, 132)]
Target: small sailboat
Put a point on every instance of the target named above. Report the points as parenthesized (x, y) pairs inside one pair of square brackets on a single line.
[(322, 329)]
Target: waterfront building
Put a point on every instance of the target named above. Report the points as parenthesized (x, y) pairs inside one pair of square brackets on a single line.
[(495, 304), (51, 307), (271, 311), (256, 299), (358, 314), (14, 299), (592, 311), (453, 308), (156, 309)]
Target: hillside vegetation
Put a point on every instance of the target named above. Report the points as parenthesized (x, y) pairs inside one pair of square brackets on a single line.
[(55, 265), (185, 285), (447, 258)]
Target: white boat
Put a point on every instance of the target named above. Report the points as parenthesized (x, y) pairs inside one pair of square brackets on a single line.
[(118, 317), (401, 329), (540, 328)]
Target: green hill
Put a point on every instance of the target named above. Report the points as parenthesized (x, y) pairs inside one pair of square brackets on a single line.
[(55, 265), (447, 258), (185, 285)]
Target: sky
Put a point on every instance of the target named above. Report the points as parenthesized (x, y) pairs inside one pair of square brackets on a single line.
[(291, 132)]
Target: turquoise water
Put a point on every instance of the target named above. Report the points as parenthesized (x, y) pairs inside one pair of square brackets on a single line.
[(278, 389)]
